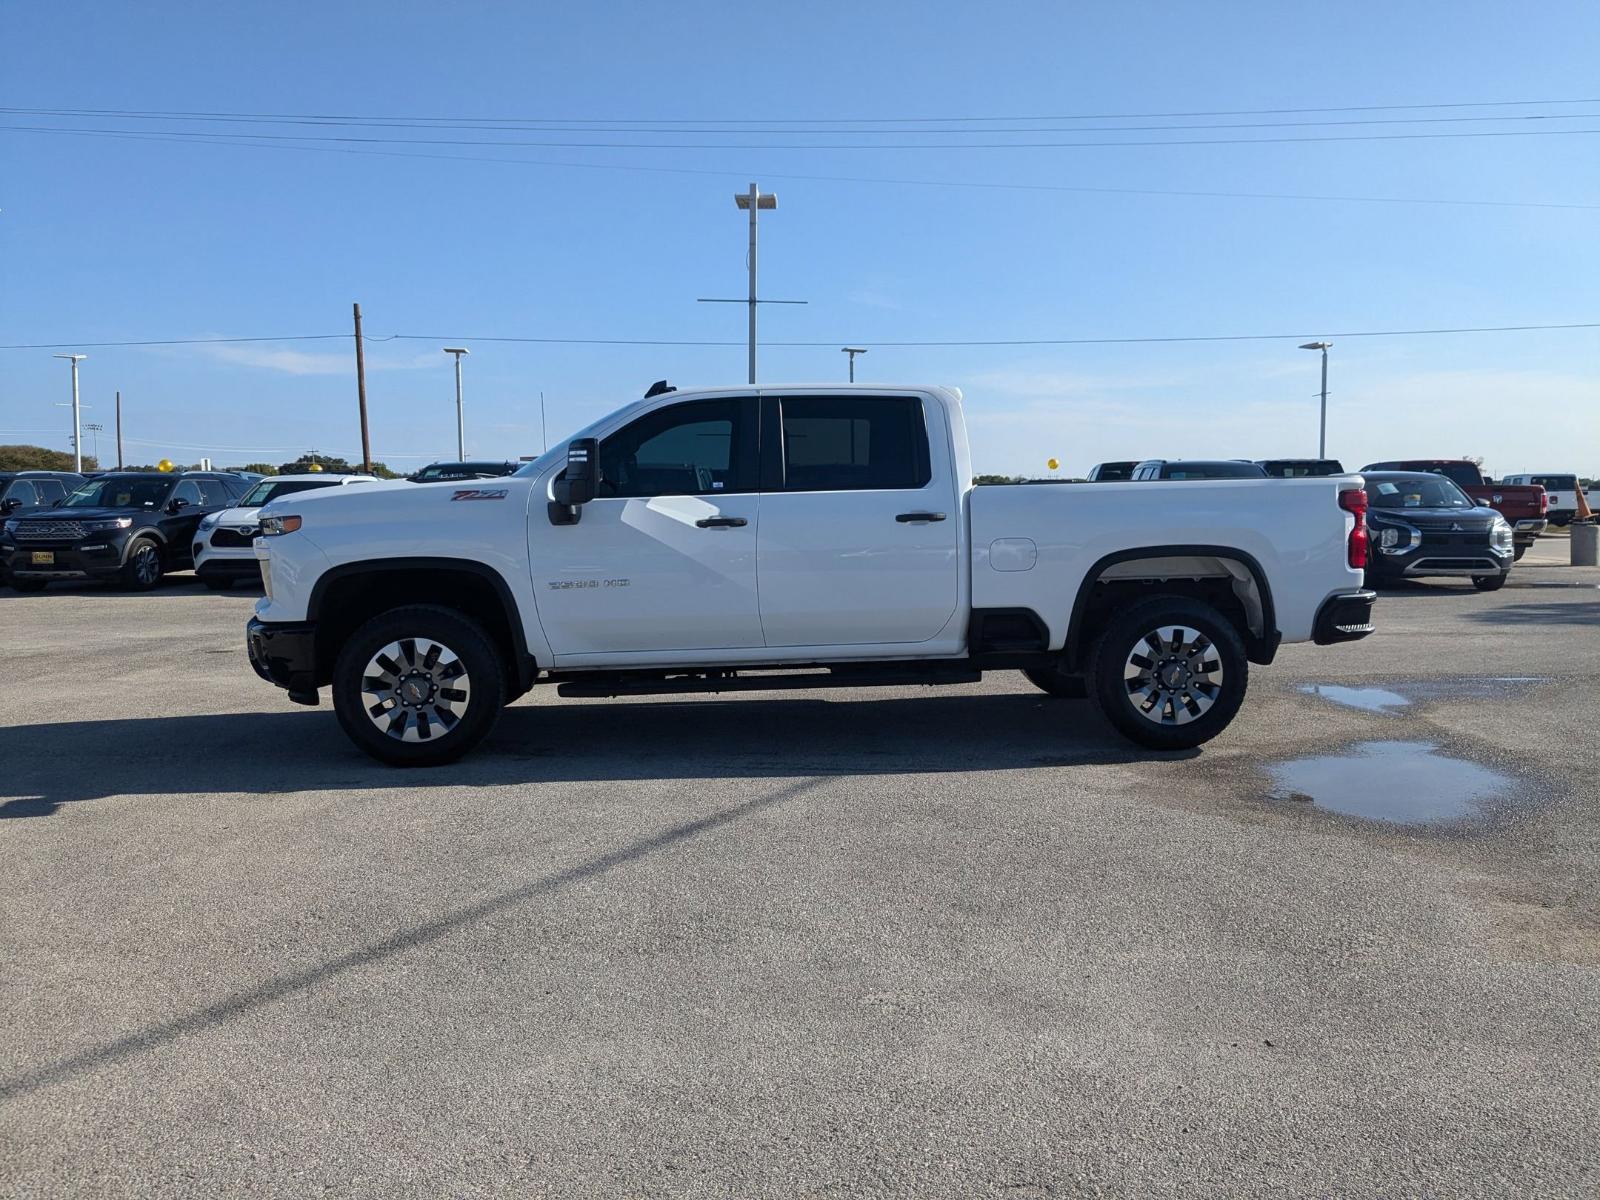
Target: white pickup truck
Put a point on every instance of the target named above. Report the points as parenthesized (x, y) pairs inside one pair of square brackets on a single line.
[(783, 537)]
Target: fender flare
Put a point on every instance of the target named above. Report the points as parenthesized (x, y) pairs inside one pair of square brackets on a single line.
[(1262, 647)]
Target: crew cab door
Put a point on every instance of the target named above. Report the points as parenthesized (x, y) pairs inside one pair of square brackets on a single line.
[(664, 557), (861, 522)]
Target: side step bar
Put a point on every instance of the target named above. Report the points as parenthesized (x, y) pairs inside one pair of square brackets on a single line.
[(648, 683)]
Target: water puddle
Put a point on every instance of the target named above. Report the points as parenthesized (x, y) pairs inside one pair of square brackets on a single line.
[(1366, 699), (1408, 783), (1400, 695)]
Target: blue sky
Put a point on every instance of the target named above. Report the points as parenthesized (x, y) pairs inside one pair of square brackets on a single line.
[(107, 239)]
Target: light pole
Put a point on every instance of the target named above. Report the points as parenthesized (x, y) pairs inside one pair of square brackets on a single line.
[(77, 433), (94, 431), (852, 351), (461, 427), (1322, 426), (752, 202)]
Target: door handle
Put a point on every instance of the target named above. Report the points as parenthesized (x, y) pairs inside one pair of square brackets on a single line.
[(721, 522), (907, 518)]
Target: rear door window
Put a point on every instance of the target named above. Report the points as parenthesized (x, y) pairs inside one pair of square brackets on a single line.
[(22, 491), (854, 443)]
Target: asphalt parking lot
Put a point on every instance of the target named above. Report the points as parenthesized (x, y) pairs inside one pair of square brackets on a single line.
[(953, 942)]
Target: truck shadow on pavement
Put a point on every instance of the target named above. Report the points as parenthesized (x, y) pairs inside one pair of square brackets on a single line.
[(264, 754)]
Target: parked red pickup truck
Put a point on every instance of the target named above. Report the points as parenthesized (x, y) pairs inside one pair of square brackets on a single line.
[(1523, 505)]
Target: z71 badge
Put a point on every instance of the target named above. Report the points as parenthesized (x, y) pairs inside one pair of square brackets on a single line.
[(480, 494)]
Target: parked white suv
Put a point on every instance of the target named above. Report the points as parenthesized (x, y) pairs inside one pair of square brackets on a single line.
[(786, 537), (222, 543)]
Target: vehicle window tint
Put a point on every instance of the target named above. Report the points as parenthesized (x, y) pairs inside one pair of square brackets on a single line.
[(50, 490), (1560, 483), (1464, 475), (852, 443), (188, 490), (704, 447), (214, 493), (22, 491)]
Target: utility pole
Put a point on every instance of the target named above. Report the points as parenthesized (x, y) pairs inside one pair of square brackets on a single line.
[(361, 395), (1322, 427), (77, 431), (752, 202), (544, 429), (119, 431), (852, 351), (461, 427)]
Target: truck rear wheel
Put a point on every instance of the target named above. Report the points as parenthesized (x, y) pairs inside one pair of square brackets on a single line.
[(1170, 673), (418, 686)]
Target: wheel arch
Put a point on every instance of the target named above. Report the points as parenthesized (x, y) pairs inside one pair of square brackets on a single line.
[(346, 596), (1252, 610)]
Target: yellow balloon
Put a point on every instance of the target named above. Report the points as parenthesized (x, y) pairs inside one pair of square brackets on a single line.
[(164, 465), (1052, 464), (313, 466)]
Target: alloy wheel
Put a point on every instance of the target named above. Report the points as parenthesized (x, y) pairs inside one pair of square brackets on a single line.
[(1173, 675), (416, 689)]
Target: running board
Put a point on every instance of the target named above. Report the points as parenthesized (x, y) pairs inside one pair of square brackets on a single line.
[(657, 684)]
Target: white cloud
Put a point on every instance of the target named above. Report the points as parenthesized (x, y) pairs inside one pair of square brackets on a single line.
[(306, 362)]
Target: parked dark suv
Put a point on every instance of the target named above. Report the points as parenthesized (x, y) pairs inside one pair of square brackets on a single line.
[(24, 491), (1161, 468), (441, 472), (1300, 468), (129, 526)]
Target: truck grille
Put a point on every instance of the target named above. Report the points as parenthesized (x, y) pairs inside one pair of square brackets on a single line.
[(48, 531)]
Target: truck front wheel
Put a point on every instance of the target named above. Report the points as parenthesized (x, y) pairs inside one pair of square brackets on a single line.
[(1170, 673), (418, 686)]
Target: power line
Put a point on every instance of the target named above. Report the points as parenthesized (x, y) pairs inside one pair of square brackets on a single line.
[(183, 135), (950, 120), (877, 131), (813, 178), (929, 344)]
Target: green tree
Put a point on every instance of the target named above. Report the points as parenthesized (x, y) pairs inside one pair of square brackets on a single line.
[(258, 468), (39, 458), (979, 480)]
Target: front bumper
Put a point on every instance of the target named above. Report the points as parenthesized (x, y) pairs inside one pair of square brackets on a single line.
[(213, 567), (1346, 617), (285, 654), (90, 559)]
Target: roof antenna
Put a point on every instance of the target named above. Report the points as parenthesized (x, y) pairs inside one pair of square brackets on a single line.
[(659, 388)]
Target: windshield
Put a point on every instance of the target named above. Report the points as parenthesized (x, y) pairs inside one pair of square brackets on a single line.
[(1431, 492), (1560, 483), (120, 492), (269, 489)]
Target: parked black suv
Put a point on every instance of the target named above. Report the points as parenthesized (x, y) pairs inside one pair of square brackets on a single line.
[(1161, 468), (1423, 524), (23, 491), (441, 472), (1300, 468), (131, 526)]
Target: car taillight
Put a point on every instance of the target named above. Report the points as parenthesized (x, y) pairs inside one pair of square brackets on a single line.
[(1354, 500), (1544, 503)]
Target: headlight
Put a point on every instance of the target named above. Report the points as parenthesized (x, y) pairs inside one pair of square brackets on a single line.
[(276, 526), (108, 524), (209, 521), (1396, 537), (11, 525), (1501, 537)]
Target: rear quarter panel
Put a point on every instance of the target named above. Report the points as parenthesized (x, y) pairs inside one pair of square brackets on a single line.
[(1293, 528)]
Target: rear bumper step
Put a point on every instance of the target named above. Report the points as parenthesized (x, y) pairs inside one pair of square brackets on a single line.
[(1346, 617)]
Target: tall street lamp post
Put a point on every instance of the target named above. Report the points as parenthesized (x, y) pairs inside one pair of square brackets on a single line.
[(852, 351), (1322, 426), (77, 431)]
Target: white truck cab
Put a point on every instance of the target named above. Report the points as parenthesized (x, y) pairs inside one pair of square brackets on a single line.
[(792, 536)]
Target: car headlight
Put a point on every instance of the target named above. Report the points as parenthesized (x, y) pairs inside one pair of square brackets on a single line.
[(209, 521), (108, 524), (1395, 537), (277, 526), (11, 525), (1501, 536)]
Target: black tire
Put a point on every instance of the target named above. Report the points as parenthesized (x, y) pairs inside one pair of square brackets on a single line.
[(28, 585), (1560, 522), (1490, 583), (217, 583), (1053, 681), (1517, 554), (1113, 655), (483, 671), (142, 569)]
